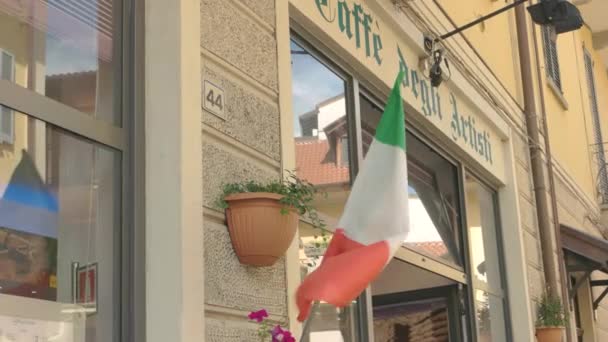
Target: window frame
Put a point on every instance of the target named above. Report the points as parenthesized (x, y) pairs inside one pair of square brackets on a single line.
[(8, 138), (552, 68), (600, 153), (353, 91), (504, 292), (356, 87), (126, 136)]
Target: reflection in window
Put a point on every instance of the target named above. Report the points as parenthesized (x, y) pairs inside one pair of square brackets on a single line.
[(7, 73), (433, 193), (65, 50), (59, 215), (485, 262), (321, 142), (422, 320)]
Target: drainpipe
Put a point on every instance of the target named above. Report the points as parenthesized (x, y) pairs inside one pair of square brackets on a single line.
[(549, 263), (542, 206), (558, 236)]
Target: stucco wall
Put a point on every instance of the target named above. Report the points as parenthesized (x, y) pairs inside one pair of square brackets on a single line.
[(239, 54)]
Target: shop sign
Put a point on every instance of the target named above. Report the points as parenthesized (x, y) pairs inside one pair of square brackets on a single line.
[(357, 28)]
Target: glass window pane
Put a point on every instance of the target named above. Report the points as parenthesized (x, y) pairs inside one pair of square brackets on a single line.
[(433, 193), (59, 219), (321, 141), (490, 315), (423, 320), (66, 50), (6, 72), (481, 219)]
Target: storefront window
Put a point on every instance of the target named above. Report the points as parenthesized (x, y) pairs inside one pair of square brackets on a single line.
[(484, 254), (433, 199), (322, 158), (59, 221), (66, 50)]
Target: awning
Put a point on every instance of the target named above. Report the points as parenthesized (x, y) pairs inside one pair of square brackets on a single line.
[(584, 254)]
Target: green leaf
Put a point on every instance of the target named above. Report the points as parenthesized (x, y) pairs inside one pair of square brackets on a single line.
[(297, 193)]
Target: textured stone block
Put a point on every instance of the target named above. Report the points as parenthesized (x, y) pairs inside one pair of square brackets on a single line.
[(524, 181), (520, 149), (230, 284), (249, 119), (221, 166), (528, 215), (238, 40), (536, 284), (533, 254), (229, 331), (263, 8)]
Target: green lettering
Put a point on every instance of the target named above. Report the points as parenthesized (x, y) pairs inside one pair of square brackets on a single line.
[(344, 19), (436, 103), (403, 67), (455, 121), (323, 7), (488, 148), (377, 48), (357, 13), (367, 20), (424, 91), (415, 82), (480, 143), (464, 128)]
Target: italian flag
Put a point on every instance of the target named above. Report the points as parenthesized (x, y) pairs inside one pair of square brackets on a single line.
[(375, 220)]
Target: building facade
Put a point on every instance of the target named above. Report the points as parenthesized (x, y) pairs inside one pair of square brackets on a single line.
[(121, 120)]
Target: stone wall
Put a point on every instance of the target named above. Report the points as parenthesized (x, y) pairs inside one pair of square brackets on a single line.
[(239, 55), (528, 220)]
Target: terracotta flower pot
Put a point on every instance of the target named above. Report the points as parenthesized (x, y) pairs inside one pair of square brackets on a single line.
[(549, 334), (260, 233)]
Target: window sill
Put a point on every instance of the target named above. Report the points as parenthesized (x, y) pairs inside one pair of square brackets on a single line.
[(558, 93)]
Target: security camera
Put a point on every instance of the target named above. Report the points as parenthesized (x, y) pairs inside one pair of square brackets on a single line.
[(439, 70)]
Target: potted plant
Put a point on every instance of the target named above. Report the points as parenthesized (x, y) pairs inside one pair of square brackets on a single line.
[(550, 320), (262, 217)]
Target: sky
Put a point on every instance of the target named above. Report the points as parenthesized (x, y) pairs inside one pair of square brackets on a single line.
[(312, 83)]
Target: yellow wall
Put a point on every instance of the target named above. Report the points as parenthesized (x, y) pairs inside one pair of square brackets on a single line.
[(493, 39), (571, 128)]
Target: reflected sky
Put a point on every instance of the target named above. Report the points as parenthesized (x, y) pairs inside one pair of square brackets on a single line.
[(64, 56), (311, 83)]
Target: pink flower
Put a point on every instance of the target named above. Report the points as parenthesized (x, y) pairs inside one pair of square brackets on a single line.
[(258, 316), (280, 335)]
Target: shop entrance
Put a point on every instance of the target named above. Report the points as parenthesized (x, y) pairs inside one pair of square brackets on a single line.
[(412, 304)]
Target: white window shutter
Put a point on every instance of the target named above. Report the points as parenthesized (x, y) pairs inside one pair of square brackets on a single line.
[(551, 60)]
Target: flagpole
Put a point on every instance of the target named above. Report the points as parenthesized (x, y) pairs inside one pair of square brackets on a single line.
[(307, 324)]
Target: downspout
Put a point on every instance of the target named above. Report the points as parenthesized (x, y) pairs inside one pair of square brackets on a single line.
[(558, 236), (542, 206), (549, 266)]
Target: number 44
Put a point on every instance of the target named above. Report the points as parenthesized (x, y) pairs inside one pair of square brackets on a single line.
[(215, 101)]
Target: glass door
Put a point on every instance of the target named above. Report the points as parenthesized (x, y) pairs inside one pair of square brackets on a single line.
[(430, 314)]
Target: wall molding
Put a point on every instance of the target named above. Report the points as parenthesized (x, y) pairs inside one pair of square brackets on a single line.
[(212, 135), (254, 17), (238, 76)]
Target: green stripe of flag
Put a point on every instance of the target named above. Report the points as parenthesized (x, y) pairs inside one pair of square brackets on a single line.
[(391, 129)]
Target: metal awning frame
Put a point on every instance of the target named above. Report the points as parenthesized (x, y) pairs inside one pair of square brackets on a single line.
[(584, 253)]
